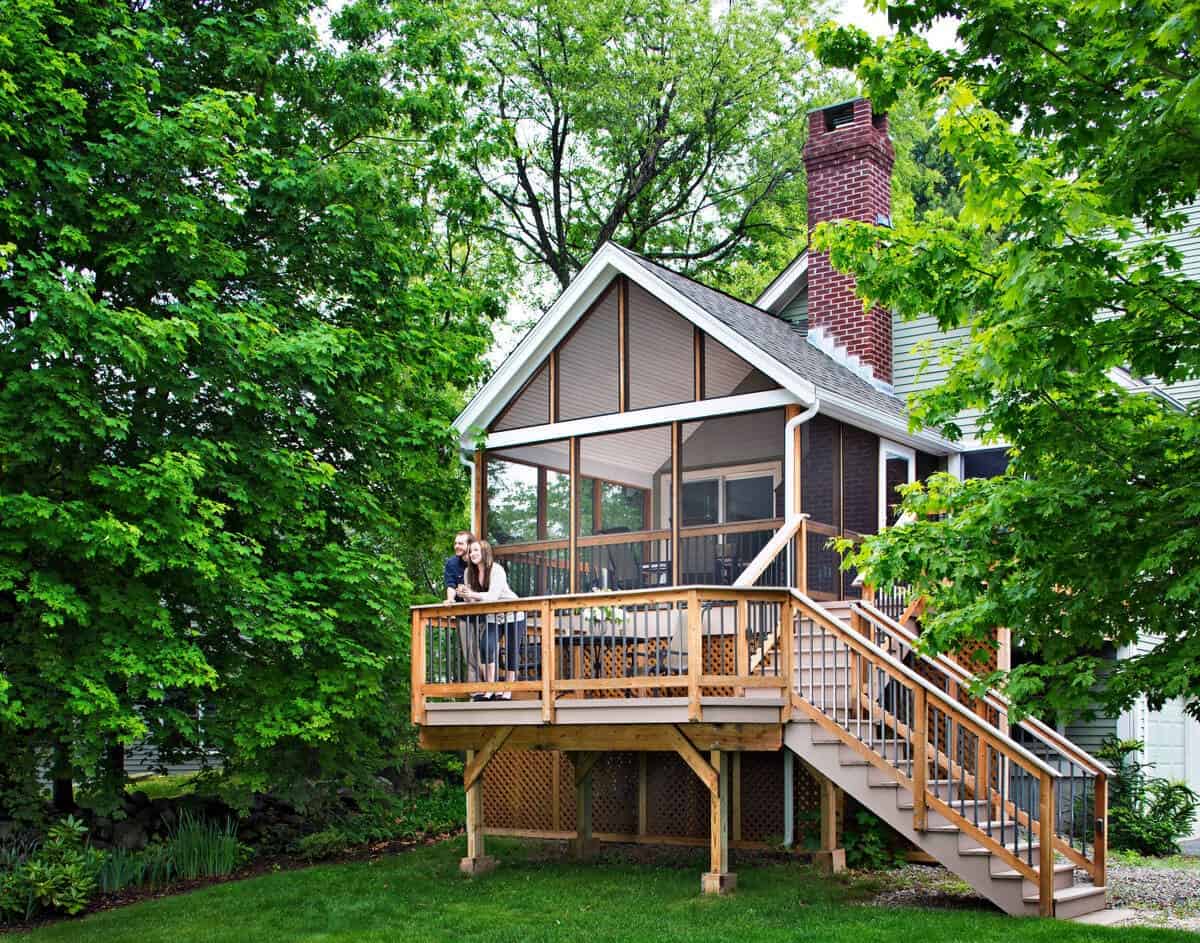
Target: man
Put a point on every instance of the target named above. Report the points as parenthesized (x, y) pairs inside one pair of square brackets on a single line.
[(454, 575)]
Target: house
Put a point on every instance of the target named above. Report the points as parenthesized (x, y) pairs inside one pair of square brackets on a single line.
[(660, 468)]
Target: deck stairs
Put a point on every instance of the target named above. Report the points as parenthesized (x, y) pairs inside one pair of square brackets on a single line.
[(861, 718)]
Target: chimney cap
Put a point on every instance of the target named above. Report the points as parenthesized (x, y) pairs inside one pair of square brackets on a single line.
[(841, 104)]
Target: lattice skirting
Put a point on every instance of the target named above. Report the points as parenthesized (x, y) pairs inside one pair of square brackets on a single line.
[(647, 797)]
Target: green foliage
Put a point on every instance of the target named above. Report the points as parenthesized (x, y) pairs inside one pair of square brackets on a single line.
[(194, 848), (233, 337), (59, 876), (1146, 814), (387, 818), (1074, 133), (200, 848), (668, 126), (869, 842)]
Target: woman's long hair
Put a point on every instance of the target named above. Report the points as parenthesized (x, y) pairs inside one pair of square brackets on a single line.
[(474, 581)]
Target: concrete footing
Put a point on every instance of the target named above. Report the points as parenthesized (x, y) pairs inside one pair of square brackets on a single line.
[(830, 862), (476, 866), (711, 883)]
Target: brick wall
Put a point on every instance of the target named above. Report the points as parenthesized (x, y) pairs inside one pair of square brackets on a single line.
[(848, 159)]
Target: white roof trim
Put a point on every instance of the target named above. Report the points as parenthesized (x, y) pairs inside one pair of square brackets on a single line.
[(639, 418), (575, 300), (781, 290), (571, 305)]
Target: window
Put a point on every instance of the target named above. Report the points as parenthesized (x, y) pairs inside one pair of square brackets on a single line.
[(897, 466), (750, 499), (701, 502)]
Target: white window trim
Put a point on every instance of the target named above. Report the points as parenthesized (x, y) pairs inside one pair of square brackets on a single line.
[(895, 449), (720, 474)]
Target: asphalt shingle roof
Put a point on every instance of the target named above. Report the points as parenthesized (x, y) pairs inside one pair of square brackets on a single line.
[(779, 340)]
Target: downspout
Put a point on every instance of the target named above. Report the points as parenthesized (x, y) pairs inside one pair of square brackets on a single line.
[(470, 463), (791, 514), (789, 458)]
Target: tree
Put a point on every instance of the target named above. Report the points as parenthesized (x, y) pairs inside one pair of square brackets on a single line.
[(1075, 128), (656, 124), (230, 352)]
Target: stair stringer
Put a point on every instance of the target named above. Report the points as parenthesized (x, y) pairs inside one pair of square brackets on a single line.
[(821, 750)]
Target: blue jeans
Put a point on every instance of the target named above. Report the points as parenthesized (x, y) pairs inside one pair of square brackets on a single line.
[(514, 639)]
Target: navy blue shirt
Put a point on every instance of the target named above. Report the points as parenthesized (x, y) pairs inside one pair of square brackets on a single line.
[(455, 572)]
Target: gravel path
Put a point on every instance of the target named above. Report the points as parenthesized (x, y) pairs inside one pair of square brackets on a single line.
[(1160, 896)]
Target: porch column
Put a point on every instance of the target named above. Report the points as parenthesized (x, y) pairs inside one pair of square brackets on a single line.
[(831, 859), (584, 845), (476, 862), (718, 879)]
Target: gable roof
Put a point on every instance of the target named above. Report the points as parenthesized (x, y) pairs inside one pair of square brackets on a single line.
[(781, 340), (764, 341)]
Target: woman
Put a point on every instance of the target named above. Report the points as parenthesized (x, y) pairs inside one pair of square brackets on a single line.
[(487, 582)]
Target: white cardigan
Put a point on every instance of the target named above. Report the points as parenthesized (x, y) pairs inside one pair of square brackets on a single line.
[(498, 588)]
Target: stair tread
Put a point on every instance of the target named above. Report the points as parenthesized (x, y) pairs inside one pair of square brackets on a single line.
[(1014, 875), (1077, 892)]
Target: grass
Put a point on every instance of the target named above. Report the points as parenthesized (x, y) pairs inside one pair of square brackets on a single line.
[(535, 896), (164, 787), (1170, 862)]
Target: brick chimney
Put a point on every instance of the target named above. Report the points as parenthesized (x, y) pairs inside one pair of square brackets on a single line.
[(848, 158)]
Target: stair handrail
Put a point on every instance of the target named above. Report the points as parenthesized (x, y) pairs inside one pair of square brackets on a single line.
[(852, 639), (766, 556), (992, 697)]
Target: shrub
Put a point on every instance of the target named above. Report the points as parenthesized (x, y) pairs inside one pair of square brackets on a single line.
[(200, 848), (441, 809), (59, 876), (1146, 814)]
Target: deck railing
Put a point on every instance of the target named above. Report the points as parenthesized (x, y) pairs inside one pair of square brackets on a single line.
[(693, 642), (1081, 789), (955, 764)]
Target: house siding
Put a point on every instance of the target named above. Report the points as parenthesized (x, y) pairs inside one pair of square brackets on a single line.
[(796, 311)]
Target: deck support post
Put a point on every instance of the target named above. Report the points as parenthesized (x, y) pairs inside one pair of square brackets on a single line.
[(719, 879), (789, 798), (584, 845), (831, 859), (476, 862)]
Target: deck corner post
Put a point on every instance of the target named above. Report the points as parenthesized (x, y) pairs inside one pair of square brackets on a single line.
[(547, 618), (583, 846), (831, 859), (476, 862), (695, 655), (719, 879), (418, 668)]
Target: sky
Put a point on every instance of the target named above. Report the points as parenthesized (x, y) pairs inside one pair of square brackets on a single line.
[(855, 12)]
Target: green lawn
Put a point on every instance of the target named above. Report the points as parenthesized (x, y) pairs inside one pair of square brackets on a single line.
[(420, 896)]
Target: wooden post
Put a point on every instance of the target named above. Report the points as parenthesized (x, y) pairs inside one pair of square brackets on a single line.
[(676, 500), (1100, 849), (584, 845), (548, 661), (480, 496), (695, 655), (735, 796), (786, 624), (830, 859), (718, 879), (573, 513), (802, 581), (920, 758), (1046, 847), (476, 862), (418, 668), (643, 794)]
